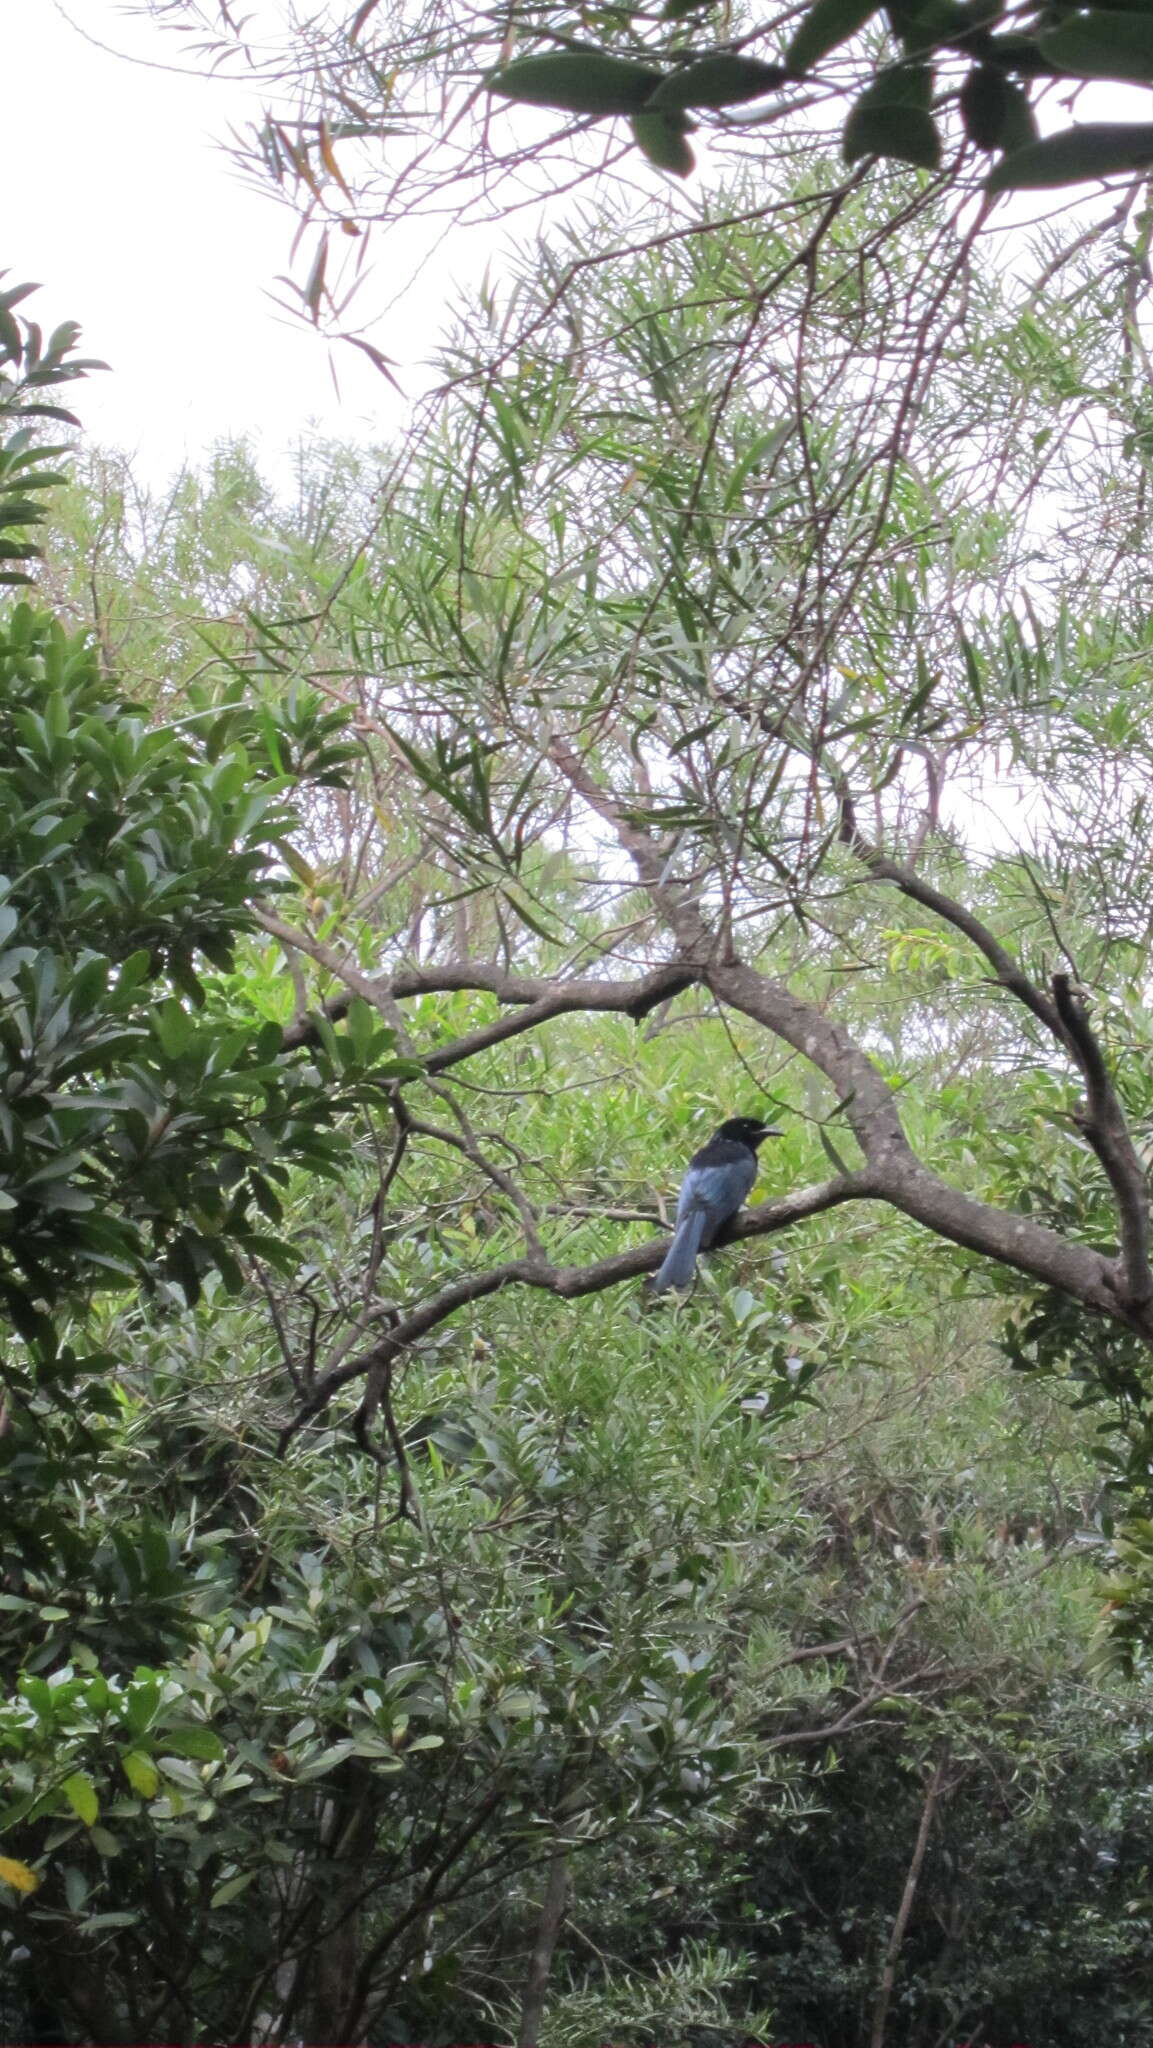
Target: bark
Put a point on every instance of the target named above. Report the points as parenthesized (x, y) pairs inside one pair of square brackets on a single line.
[(908, 1896), (332, 1963), (548, 1929)]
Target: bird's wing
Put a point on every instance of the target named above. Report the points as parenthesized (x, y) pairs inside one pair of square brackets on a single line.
[(717, 1186)]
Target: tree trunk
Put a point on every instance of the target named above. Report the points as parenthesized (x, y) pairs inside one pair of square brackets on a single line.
[(892, 1952), (548, 1929)]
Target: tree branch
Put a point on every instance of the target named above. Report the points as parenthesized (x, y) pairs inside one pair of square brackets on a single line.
[(1007, 971), (893, 1171), (913, 1877), (537, 996), (568, 1282), (1105, 1128), (1065, 1018)]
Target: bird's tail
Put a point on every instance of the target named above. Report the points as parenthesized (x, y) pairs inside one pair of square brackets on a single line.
[(681, 1258)]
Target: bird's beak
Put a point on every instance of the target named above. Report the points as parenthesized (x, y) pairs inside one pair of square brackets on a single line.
[(771, 1131)]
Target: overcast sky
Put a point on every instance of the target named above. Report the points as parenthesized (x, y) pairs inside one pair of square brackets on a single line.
[(122, 204)]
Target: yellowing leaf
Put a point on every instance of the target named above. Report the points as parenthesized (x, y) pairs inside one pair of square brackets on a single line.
[(80, 1793), (140, 1772)]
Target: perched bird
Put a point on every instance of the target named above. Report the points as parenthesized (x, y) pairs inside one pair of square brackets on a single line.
[(719, 1177)]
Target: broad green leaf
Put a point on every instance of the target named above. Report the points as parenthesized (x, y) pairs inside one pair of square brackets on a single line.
[(141, 1773), (577, 81), (658, 137), (203, 1744), (143, 1700), (892, 119), (827, 24), (1099, 149), (80, 1793), (923, 24), (1102, 43), (231, 1889), (996, 110), (173, 1027), (723, 80)]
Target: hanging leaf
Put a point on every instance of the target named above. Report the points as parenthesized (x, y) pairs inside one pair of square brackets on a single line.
[(1101, 149), (892, 119), (577, 81), (661, 137), (996, 111), (827, 24), (1103, 43), (723, 80), (924, 24)]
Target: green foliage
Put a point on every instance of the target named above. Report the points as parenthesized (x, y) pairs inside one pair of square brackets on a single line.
[(892, 116), (145, 1123), (580, 81), (1097, 149), (694, 1596), (30, 370)]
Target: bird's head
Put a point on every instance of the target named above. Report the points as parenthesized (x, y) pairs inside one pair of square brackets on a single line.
[(748, 1130)]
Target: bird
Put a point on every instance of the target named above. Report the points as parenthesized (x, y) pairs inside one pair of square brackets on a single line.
[(715, 1185)]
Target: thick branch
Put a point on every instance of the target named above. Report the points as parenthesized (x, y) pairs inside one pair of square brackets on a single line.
[(538, 997), (1008, 972), (548, 1929), (569, 1282), (1064, 1017), (1107, 1131), (893, 1171)]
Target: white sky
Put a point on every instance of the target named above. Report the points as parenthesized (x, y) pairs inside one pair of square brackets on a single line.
[(123, 205)]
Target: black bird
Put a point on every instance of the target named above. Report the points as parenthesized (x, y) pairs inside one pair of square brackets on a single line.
[(719, 1177)]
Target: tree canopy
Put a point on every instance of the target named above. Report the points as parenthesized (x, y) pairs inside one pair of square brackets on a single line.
[(732, 695)]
